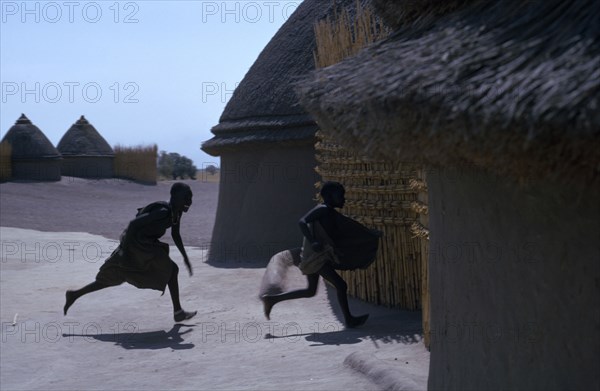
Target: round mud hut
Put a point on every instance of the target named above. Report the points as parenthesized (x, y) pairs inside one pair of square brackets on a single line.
[(86, 154), (33, 157), (499, 101), (266, 143)]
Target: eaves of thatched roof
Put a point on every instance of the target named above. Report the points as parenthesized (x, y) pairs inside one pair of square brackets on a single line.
[(284, 130), (28, 142), (82, 139), (264, 107), (508, 86)]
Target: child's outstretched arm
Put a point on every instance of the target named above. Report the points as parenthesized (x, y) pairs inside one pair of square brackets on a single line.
[(176, 235)]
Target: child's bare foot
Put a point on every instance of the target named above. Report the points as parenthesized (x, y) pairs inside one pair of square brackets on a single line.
[(182, 315), (267, 306), (356, 321), (70, 299)]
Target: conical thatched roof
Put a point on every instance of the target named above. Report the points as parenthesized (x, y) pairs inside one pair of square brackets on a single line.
[(82, 139), (28, 142), (508, 86), (264, 106)]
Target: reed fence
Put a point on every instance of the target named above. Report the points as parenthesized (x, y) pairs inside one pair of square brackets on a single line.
[(380, 195), (386, 195), (137, 163)]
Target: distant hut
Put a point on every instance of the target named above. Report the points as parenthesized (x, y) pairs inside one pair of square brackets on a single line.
[(33, 157), (266, 144), (86, 154), (500, 101)]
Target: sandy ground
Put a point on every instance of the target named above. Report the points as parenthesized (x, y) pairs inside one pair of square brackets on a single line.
[(125, 338), (102, 207)]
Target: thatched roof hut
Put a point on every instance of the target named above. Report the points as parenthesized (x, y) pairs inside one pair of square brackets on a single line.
[(500, 100), (266, 143), (33, 157), (516, 85), (85, 152)]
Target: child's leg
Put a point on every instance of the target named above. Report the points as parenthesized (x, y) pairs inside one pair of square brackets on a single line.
[(270, 300), (173, 284), (329, 274), (71, 296)]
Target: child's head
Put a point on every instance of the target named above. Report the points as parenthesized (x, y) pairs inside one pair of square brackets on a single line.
[(333, 194), (181, 196)]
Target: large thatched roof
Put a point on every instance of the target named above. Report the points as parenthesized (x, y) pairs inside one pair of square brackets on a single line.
[(509, 86), (264, 107), (28, 142), (82, 139)]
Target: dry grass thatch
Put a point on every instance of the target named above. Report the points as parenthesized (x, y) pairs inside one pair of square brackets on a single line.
[(264, 108), (136, 163), (401, 13), (28, 142), (509, 87), (346, 33), (82, 139), (5, 161)]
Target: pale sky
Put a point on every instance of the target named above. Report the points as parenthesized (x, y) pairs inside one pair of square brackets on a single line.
[(142, 72)]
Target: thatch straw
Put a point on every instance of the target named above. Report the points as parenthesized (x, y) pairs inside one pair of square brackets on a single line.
[(346, 34), (510, 87), (82, 139), (5, 161), (28, 142), (136, 163), (402, 13), (264, 108)]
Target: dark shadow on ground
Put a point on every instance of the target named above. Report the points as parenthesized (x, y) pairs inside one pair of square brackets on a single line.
[(151, 340), (383, 326), (401, 327), (235, 263)]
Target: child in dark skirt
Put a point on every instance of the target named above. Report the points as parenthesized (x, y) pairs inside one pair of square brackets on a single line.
[(324, 226), (141, 259)]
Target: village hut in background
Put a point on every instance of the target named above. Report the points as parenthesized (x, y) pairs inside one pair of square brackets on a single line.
[(500, 101), (266, 144), (86, 154), (33, 157), (381, 193)]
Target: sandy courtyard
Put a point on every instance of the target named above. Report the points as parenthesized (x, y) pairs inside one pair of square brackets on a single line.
[(54, 236)]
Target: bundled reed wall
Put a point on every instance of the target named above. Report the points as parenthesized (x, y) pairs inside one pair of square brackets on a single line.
[(386, 195), (379, 195), (136, 163), (420, 230), (5, 161)]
